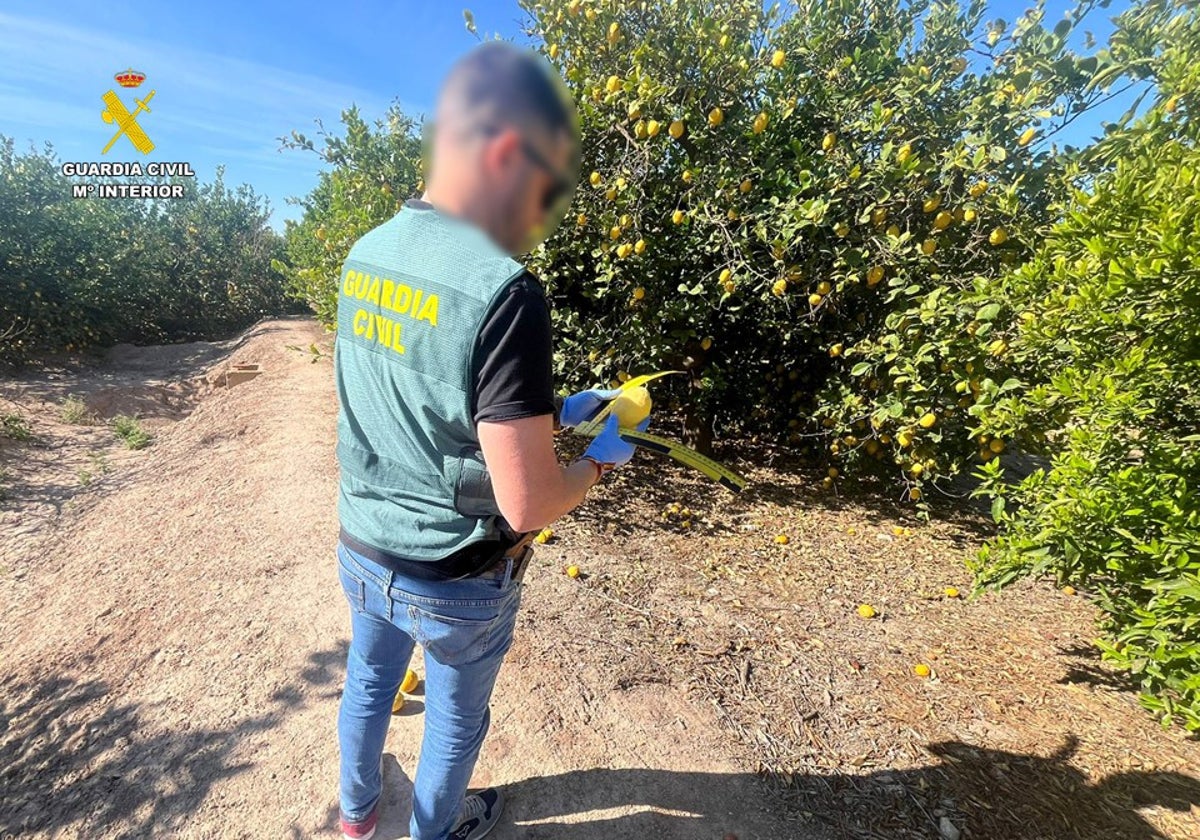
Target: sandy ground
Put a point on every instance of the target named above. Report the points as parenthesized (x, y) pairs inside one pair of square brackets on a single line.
[(173, 640)]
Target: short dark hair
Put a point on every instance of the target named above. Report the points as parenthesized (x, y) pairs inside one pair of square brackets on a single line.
[(498, 81)]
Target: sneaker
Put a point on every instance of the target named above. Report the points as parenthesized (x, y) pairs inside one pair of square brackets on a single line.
[(363, 829), (480, 813)]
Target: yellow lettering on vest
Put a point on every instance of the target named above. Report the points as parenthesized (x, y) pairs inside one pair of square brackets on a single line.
[(396, 345), (360, 286), (429, 310), (348, 283), (388, 288), (403, 298), (416, 307), (373, 295), (358, 328)]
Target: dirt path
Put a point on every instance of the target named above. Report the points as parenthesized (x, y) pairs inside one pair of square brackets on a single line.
[(173, 637)]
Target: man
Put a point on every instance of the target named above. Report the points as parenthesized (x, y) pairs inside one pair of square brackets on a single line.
[(445, 432)]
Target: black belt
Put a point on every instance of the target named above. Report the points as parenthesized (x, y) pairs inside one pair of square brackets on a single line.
[(469, 561)]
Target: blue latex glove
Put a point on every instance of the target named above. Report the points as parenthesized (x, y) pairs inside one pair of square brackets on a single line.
[(581, 407), (608, 448)]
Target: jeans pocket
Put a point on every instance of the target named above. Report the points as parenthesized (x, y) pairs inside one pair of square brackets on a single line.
[(353, 585), (452, 640)]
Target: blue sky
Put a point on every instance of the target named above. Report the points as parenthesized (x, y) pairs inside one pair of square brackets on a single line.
[(230, 77)]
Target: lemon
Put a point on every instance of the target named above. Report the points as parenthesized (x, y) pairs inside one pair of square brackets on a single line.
[(676, 130), (829, 141), (904, 439), (639, 293), (928, 247), (824, 287), (827, 483), (639, 247), (639, 130), (572, 571), (915, 494), (950, 592), (615, 232), (835, 351), (706, 344), (814, 300), (833, 472), (611, 194), (842, 229), (730, 286), (760, 123), (581, 220), (879, 216), (978, 189), (595, 179), (398, 703), (866, 611), (1068, 590), (624, 250), (411, 681), (921, 670), (614, 32), (677, 217), (996, 446), (969, 214), (778, 58), (874, 275), (782, 539), (932, 203), (613, 84), (725, 275), (632, 406), (746, 186), (893, 231), (652, 128), (1026, 136), (998, 236), (715, 117), (904, 154), (687, 176), (634, 111), (553, 51), (942, 220), (928, 420), (621, 183), (779, 288)]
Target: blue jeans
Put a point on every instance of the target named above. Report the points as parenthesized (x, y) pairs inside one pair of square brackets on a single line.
[(465, 628)]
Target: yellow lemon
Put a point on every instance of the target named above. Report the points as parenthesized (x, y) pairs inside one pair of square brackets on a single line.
[(928, 247), (687, 176), (842, 229), (398, 703), (1068, 590), (942, 220), (652, 128), (725, 275), (950, 592), (760, 123), (639, 130), (928, 420), (706, 344), (879, 216), (978, 189), (572, 571), (904, 154), (639, 293), (915, 494), (833, 472), (782, 539), (581, 220), (969, 215), (932, 203), (411, 681), (746, 186), (1026, 136), (595, 179), (866, 611), (613, 84), (676, 129), (621, 183), (625, 220), (715, 117), (893, 231), (921, 670), (824, 287), (553, 51), (677, 217), (635, 110), (835, 351), (996, 446), (614, 32), (814, 300), (624, 250), (615, 232), (640, 246), (779, 288), (874, 275), (829, 141), (998, 236), (632, 406), (778, 58)]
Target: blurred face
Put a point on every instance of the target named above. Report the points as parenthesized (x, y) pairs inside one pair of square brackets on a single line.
[(528, 173)]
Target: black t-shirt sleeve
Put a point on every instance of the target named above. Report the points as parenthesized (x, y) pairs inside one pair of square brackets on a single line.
[(513, 365)]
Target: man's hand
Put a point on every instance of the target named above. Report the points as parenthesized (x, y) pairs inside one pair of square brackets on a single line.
[(608, 449), (581, 407)]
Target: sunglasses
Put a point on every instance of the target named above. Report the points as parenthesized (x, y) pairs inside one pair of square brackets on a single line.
[(559, 185)]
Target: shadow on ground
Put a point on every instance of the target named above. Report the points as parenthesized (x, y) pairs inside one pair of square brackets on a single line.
[(986, 794)]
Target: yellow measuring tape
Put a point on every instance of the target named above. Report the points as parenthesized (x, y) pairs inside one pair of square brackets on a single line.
[(717, 472)]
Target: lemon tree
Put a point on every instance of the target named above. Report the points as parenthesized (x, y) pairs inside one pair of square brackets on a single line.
[(802, 207)]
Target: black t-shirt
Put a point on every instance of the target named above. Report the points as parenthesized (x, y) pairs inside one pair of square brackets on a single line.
[(512, 362)]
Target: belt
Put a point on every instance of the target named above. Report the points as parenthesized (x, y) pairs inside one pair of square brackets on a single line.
[(472, 560)]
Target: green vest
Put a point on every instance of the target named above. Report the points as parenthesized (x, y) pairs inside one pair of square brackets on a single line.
[(412, 297)]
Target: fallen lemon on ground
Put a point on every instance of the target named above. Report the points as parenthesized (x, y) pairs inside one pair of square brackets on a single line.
[(543, 536), (398, 703), (782, 539), (950, 592), (411, 681), (866, 611), (921, 670), (573, 571), (632, 406), (1068, 590)]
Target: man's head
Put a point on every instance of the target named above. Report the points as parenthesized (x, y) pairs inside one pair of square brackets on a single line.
[(504, 150)]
